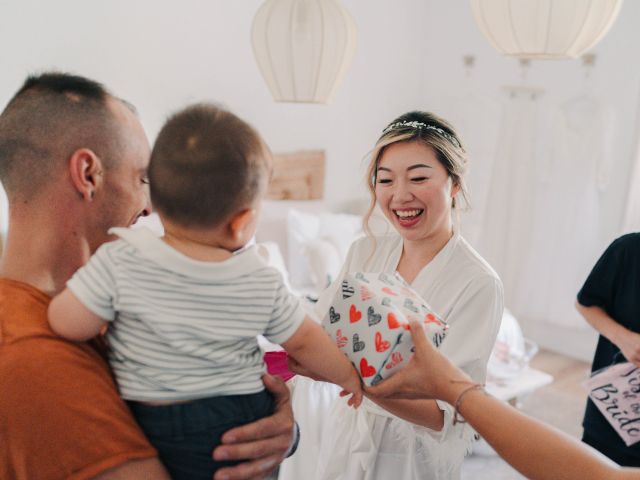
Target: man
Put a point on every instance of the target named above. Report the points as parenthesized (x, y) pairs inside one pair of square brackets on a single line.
[(73, 162), (610, 302)]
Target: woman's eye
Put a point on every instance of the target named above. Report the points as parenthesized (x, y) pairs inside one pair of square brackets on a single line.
[(419, 179), (384, 180)]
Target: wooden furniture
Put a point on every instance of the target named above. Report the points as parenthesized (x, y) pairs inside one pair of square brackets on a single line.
[(297, 176)]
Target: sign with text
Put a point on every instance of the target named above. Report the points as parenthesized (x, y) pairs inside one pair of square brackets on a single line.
[(616, 393)]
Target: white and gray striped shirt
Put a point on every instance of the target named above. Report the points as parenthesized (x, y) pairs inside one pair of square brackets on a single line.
[(184, 329)]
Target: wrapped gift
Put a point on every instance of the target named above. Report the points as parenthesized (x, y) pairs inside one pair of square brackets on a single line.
[(369, 321)]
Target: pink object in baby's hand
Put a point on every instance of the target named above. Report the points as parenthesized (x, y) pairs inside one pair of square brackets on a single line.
[(277, 365)]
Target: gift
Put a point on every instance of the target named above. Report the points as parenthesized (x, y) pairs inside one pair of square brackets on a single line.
[(369, 321)]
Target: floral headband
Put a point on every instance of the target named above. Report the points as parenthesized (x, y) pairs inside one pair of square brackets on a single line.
[(419, 126)]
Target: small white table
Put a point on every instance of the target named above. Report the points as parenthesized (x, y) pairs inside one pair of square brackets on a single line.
[(526, 382)]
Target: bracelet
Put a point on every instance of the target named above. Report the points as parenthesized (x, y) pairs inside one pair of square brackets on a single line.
[(457, 417), (295, 441)]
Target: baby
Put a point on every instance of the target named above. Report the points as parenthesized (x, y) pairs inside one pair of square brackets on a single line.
[(184, 310)]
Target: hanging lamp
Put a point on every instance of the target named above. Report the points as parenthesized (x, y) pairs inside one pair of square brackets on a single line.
[(303, 48), (543, 29)]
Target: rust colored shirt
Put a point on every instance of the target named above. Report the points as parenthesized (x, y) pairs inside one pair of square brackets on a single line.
[(60, 413)]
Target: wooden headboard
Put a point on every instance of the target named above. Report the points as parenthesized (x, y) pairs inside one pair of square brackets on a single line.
[(298, 176)]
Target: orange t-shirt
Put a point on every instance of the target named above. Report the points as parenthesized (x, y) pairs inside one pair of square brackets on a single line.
[(60, 413)]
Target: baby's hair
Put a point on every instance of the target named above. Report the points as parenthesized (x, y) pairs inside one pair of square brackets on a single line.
[(206, 165)]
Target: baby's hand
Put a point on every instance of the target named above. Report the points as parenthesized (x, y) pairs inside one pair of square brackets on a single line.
[(353, 386)]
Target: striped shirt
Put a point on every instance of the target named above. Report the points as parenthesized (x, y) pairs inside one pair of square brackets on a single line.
[(180, 328)]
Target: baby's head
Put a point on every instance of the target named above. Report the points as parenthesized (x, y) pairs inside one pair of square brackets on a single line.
[(208, 171)]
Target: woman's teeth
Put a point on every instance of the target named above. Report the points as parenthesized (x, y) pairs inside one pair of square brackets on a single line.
[(408, 213)]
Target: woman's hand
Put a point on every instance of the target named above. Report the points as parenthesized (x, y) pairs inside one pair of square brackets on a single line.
[(428, 375), (629, 344)]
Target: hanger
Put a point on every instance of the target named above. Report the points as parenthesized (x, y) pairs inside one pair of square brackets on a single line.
[(523, 88)]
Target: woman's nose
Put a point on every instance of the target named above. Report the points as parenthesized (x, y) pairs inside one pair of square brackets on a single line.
[(402, 192)]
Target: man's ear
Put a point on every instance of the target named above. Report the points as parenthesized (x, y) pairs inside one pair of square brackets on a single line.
[(240, 221), (85, 169)]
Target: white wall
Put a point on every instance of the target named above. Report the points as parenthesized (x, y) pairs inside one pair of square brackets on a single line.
[(161, 55)]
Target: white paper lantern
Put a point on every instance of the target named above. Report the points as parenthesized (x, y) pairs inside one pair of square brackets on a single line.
[(545, 28), (303, 48)]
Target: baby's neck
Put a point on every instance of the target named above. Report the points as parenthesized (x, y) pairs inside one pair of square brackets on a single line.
[(197, 249)]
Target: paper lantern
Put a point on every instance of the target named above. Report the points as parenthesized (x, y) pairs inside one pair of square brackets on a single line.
[(545, 28), (303, 48)]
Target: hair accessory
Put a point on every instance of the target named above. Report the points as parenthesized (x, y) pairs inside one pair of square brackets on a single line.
[(457, 418), (419, 126)]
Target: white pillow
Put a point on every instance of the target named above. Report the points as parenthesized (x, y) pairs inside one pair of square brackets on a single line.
[(272, 222), (324, 261), (273, 256), (338, 230), (301, 228)]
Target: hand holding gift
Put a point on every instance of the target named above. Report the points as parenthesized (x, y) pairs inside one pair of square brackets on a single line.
[(369, 321)]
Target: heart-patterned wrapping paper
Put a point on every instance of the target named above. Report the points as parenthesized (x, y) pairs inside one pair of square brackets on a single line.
[(369, 321)]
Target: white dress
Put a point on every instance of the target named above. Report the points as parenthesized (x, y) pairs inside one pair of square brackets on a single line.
[(340, 443), (507, 231), (567, 224)]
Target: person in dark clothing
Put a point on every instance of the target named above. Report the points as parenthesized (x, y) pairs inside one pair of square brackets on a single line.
[(610, 302)]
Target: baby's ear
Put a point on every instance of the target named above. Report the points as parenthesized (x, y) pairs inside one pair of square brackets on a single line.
[(240, 221)]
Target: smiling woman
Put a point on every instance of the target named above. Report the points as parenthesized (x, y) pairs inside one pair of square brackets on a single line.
[(416, 177)]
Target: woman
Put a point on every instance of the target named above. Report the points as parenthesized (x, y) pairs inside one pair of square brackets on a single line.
[(417, 180), (547, 454)]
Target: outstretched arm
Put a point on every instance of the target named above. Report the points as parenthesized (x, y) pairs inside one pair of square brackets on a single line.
[(311, 347), (533, 448)]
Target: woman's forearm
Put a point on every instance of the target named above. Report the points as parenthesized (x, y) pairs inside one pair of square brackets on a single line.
[(533, 448), (536, 450), (425, 413)]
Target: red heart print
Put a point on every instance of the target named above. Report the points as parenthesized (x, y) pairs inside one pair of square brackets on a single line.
[(389, 291), (365, 293), (341, 341), (431, 318), (392, 321), (381, 345), (354, 314), (396, 358), (366, 370)]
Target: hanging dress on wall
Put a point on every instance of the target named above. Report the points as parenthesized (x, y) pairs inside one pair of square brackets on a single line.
[(505, 239), (567, 222), (477, 118)]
